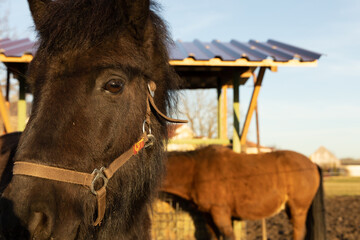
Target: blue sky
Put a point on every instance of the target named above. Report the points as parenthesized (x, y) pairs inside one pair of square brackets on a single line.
[(300, 108)]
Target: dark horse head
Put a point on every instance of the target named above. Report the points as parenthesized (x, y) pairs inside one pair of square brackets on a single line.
[(90, 80)]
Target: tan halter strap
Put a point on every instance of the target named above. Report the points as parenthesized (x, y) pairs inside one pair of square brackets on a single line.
[(81, 178)]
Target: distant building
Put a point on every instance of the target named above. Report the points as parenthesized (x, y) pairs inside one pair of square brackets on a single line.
[(325, 159), (352, 170), (351, 166), (252, 148), (180, 131), (184, 132)]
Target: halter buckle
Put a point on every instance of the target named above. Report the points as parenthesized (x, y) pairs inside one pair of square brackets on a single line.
[(99, 174), (150, 141)]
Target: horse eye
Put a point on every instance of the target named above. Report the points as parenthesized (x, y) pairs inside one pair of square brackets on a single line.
[(114, 86)]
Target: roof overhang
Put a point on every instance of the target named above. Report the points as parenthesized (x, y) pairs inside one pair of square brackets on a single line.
[(217, 62), (200, 64)]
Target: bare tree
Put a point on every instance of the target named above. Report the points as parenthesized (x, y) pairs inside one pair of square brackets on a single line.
[(6, 32), (4, 22), (200, 108)]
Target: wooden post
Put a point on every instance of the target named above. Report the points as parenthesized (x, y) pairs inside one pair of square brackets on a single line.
[(236, 113), (263, 226), (222, 111), (239, 226), (7, 93), (5, 113), (252, 105), (257, 119), (21, 104), (263, 221)]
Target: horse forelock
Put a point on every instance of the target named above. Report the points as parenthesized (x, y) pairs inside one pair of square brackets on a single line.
[(80, 24)]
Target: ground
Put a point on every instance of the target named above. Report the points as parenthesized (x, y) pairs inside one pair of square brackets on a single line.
[(342, 219)]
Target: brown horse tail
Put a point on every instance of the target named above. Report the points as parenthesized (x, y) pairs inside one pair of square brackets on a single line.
[(315, 221)]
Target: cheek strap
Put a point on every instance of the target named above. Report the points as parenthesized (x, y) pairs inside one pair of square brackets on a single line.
[(150, 96)]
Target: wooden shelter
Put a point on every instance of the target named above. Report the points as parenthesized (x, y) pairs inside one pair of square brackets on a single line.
[(228, 65), (215, 64)]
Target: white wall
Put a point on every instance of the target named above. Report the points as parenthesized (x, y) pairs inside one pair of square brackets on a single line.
[(353, 170)]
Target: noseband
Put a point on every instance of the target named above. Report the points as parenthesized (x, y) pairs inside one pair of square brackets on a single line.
[(104, 174)]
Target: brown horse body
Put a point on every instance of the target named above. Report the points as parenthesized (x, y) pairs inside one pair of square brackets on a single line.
[(227, 184)]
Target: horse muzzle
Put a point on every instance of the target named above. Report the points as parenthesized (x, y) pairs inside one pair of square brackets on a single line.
[(35, 213)]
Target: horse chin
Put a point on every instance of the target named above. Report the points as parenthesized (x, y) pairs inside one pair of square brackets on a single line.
[(39, 226), (69, 231), (11, 227)]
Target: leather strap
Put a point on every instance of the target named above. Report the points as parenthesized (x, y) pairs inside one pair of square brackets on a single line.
[(101, 203), (120, 161), (81, 178), (173, 120), (150, 96), (52, 173)]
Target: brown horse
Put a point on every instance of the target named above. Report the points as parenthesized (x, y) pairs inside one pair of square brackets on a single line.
[(86, 166), (227, 184)]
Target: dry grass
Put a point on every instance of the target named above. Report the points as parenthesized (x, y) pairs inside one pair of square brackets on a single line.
[(342, 186)]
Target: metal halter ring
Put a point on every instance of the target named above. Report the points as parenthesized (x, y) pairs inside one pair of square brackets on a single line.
[(150, 141), (99, 174), (144, 126)]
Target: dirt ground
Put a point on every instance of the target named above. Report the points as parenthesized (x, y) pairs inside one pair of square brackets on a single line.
[(342, 221)]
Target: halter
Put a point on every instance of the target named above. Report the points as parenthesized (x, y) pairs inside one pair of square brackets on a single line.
[(105, 174)]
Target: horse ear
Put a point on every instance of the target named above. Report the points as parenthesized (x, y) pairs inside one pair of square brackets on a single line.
[(138, 15), (38, 9)]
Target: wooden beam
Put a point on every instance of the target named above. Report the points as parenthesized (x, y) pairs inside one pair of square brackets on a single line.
[(4, 111), (21, 104), (22, 59), (257, 119), (263, 227), (7, 92), (252, 105), (242, 62), (196, 141), (236, 113), (222, 111)]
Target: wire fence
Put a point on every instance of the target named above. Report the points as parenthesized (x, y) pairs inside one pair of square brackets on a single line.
[(176, 219)]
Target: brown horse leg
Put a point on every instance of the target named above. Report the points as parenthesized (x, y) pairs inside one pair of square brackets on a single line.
[(298, 219), (222, 219)]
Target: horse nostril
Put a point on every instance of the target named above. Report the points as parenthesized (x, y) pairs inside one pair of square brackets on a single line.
[(39, 226)]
